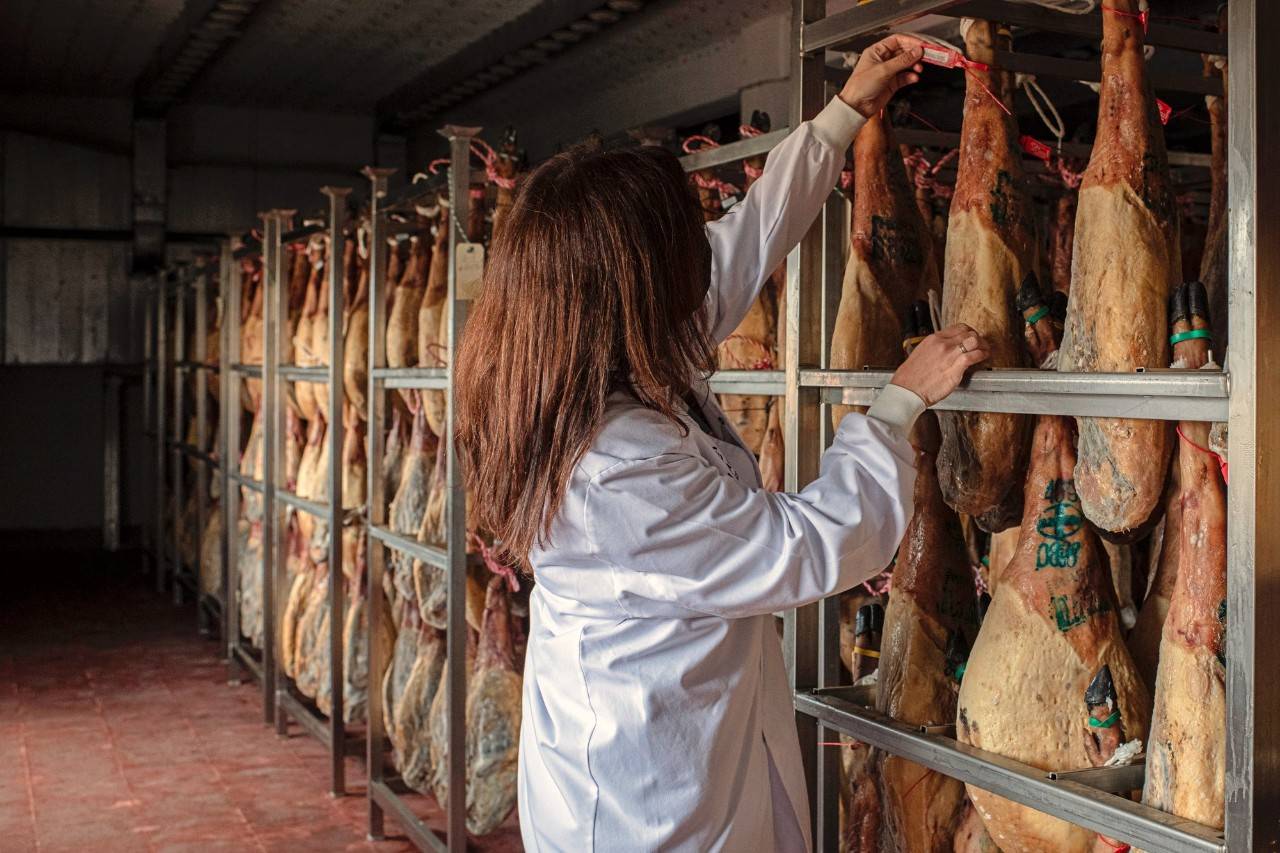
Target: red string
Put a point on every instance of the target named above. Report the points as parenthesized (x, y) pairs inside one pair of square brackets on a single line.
[(1222, 463), (992, 94), (880, 584), (1144, 16), (1114, 845), (489, 157), (922, 120), (747, 130), (703, 142), (492, 563)]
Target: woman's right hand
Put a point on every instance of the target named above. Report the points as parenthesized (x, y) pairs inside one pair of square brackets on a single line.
[(937, 366)]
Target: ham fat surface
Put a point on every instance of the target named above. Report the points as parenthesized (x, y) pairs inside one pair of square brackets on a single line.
[(1186, 761), (1126, 262), (1050, 682), (991, 246)]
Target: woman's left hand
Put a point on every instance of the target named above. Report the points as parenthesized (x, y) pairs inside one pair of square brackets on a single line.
[(883, 69)]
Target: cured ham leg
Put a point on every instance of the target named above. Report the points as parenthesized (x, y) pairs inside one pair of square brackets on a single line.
[(508, 163), (860, 809), (1186, 762), (891, 258), (1051, 628), (928, 625), (355, 331), (305, 392), (493, 717), (1144, 639), (432, 350), (410, 501), (251, 331), (413, 708), (1213, 265), (1125, 264), (1062, 240), (990, 248), (402, 324)]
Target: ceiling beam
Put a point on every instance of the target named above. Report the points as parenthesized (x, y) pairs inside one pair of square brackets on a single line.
[(200, 34), (531, 39)]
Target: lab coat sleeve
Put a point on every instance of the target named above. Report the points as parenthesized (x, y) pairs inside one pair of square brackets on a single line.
[(752, 239), (680, 536)]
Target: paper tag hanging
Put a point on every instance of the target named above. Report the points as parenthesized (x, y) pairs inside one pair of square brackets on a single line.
[(945, 57), (1165, 111), (468, 270)]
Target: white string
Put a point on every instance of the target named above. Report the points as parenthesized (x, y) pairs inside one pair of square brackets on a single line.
[(1041, 102), (362, 240), (1071, 7), (935, 310)]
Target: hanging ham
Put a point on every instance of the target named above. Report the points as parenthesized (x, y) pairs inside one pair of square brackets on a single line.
[(1213, 265), (1186, 761), (355, 348), (432, 350), (891, 260), (991, 246), (928, 627), (1126, 262), (493, 717), (1049, 682), (305, 392)]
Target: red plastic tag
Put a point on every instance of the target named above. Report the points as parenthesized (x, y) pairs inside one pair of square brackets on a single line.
[(1036, 148), (1165, 111), (945, 57)]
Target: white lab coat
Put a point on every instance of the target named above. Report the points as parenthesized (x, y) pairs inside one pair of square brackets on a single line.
[(657, 713)]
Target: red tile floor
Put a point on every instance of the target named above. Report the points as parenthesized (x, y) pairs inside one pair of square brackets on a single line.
[(119, 731)]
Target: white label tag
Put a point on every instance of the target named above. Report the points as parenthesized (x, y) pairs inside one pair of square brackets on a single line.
[(469, 270)]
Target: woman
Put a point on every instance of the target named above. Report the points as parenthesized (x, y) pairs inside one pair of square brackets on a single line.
[(657, 712)]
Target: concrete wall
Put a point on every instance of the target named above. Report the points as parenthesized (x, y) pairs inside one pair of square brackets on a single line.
[(68, 307)]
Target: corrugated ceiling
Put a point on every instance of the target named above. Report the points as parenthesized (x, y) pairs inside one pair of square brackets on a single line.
[(80, 47), (334, 55)]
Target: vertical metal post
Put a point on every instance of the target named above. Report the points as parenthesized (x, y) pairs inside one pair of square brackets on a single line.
[(272, 520), (111, 462), (148, 401), (1253, 493), (337, 580), (178, 373), (161, 407), (232, 413), (375, 555), (228, 282), (456, 513), (202, 435), (275, 547), (803, 435)]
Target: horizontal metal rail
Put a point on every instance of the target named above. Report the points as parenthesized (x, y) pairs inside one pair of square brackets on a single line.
[(1067, 798), (847, 28), (247, 660), (248, 369), (842, 27), (947, 139), (428, 554), (419, 834), (312, 721), (305, 373), (187, 364), (1167, 395), (771, 383), (247, 482), (316, 508), (732, 152), (436, 378)]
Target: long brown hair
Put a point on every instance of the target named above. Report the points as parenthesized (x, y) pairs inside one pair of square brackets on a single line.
[(595, 284)]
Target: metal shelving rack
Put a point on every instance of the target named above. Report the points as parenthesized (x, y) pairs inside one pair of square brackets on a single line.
[(384, 793), (193, 282), (240, 657), (1238, 396), (278, 500)]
